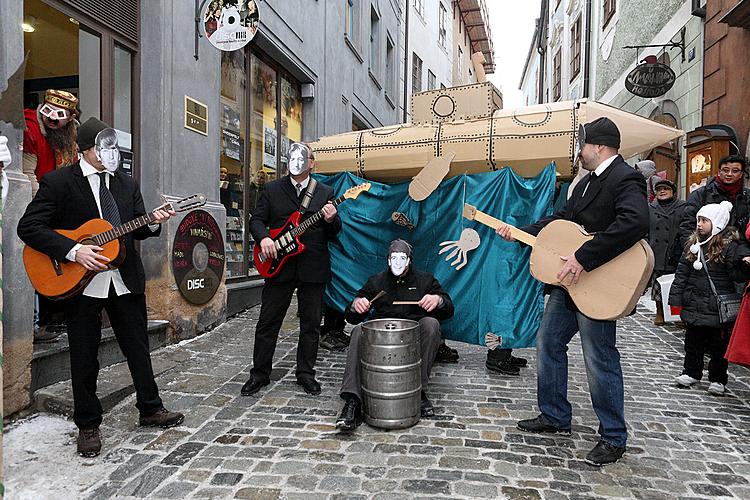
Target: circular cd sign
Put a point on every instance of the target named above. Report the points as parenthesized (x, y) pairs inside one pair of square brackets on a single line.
[(198, 257), (230, 24)]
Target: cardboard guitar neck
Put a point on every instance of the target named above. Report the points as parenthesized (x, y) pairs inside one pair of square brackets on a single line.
[(471, 213)]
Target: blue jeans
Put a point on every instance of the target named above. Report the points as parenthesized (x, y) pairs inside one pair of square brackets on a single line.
[(603, 371)]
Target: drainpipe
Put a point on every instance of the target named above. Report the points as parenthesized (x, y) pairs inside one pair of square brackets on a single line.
[(587, 60), (406, 58), (541, 48)]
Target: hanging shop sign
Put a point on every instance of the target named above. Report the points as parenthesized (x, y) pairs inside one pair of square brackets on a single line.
[(198, 257), (650, 79), (230, 25)]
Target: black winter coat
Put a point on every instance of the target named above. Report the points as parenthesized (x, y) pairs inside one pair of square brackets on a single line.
[(413, 285), (663, 235), (713, 193), (692, 291)]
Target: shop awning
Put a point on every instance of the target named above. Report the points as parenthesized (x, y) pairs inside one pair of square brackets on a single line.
[(477, 22), (738, 16)]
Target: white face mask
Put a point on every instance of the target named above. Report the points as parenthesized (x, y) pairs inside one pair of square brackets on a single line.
[(4, 151), (110, 158), (398, 262), (298, 163)]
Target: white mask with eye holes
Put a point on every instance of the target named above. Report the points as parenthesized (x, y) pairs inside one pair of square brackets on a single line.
[(398, 262), (299, 158), (107, 150)]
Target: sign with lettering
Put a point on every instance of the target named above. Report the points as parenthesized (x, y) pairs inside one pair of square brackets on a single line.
[(198, 257), (230, 25), (650, 80), (196, 116)]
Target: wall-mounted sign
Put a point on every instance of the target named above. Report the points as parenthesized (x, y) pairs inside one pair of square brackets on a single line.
[(650, 79), (196, 116), (198, 257), (230, 25)]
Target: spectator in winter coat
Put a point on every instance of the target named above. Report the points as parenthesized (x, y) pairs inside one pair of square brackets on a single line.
[(714, 256), (727, 186), (665, 217), (647, 168)]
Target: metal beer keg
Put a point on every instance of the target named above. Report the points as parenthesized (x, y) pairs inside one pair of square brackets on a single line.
[(390, 360)]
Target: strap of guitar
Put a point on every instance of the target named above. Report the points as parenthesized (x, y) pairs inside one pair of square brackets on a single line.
[(307, 198)]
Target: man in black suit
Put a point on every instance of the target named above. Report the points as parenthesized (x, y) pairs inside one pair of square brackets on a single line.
[(610, 202), (67, 198), (307, 272)]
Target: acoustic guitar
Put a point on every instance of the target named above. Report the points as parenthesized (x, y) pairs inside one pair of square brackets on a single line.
[(608, 292), (286, 238), (59, 280)]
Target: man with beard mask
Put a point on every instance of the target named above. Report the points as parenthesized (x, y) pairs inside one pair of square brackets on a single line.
[(307, 273), (49, 140), (401, 282), (94, 188), (610, 203)]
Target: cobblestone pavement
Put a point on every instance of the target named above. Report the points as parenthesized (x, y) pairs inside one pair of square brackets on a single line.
[(684, 443)]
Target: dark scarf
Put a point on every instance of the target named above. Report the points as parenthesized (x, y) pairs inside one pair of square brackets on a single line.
[(730, 189), (666, 203)]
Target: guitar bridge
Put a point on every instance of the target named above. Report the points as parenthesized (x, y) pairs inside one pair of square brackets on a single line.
[(56, 266)]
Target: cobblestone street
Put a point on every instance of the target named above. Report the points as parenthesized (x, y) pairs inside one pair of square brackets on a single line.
[(684, 443)]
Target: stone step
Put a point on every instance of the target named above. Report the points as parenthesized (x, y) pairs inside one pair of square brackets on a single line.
[(51, 362), (114, 383)]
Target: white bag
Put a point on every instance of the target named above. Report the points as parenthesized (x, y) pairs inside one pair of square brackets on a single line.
[(665, 283)]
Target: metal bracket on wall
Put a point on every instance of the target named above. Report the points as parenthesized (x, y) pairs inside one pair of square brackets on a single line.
[(672, 44), (198, 10)]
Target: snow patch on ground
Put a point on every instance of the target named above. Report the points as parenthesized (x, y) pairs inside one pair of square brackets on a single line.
[(41, 460)]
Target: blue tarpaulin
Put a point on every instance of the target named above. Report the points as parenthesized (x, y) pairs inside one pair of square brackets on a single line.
[(494, 292)]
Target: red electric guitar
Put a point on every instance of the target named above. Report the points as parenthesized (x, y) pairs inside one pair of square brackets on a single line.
[(286, 237)]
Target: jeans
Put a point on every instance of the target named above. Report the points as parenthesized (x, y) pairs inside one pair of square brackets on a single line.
[(603, 371)]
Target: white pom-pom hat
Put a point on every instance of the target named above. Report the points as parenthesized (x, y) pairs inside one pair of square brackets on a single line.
[(718, 214)]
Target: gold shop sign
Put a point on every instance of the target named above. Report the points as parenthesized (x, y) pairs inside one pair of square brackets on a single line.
[(196, 116)]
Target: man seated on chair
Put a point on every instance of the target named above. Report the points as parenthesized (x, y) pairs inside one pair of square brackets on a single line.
[(401, 282)]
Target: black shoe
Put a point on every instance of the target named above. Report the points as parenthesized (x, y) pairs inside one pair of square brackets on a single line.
[(332, 342), (253, 385), (351, 415), (446, 355), (540, 425), (519, 362), (48, 334), (341, 337), (426, 409), (604, 453), (89, 442), (310, 385), (506, 367)]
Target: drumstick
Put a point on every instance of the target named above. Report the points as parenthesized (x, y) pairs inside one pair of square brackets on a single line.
[(377, 296), (406, 303)]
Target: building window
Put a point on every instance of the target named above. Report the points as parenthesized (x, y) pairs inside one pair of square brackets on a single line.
[(460, 62), (419, 7), (416, 74), (575, 48), (610, 7), (443, 30), (557, 75), (390, 67), (374, 42), (349, 20), (431, 80)]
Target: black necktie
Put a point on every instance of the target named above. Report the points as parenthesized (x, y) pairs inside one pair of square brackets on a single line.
[(299, 189), (107, 202), (592, 178)]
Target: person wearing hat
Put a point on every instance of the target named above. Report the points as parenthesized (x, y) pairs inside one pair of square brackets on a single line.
[(49, 139), (664, 237), (647, 168), (92, 188), (609, 202), (400, 282), (715, 256), (727, 185)]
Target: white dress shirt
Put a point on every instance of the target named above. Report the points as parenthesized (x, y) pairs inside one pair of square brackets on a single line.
[(599, 171), (99, 286), (303, 184)]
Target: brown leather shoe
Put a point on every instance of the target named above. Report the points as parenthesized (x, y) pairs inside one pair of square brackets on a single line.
[(162, 418), (89, 442)]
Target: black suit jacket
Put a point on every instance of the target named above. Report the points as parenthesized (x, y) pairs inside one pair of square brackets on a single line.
[(278, 201), (615, 208), (65, 201)]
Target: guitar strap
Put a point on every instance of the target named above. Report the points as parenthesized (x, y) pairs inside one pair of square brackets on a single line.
[(307, 198)]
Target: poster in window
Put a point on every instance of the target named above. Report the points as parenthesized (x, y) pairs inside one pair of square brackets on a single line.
[(230, 24), (232, 144), (269, 147), (230, 118)]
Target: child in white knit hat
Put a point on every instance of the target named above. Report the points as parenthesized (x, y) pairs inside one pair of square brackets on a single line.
[(713, 255)]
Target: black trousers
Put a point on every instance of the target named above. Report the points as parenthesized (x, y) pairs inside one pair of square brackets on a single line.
[(333, 320), (275, 301), (127, 313), (701, 340)]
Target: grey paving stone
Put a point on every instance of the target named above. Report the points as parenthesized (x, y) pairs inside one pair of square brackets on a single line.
[(183, 454), (340, 483), (178, 489), (426, 486), (144, 485)]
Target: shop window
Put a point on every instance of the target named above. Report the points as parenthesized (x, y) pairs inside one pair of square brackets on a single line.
[(231, 166), (90, 74), (291, 119)]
